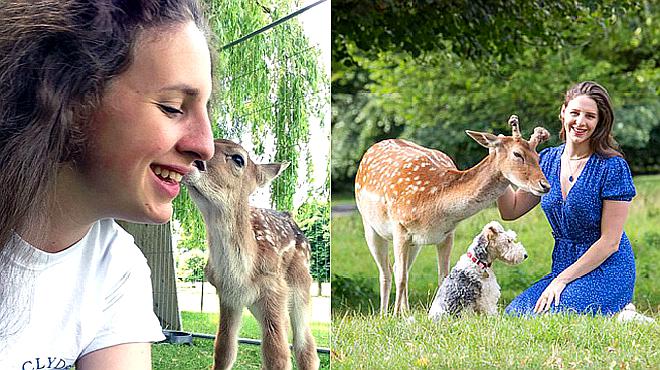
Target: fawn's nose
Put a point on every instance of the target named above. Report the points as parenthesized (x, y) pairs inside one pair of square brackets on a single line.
[(545, 186), (525, 256), (201, 165)]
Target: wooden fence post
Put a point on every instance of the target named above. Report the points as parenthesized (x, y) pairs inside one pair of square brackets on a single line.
[(155, 241)]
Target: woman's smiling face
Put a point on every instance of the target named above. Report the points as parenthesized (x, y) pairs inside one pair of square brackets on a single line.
[(151, 125), (580, 118)]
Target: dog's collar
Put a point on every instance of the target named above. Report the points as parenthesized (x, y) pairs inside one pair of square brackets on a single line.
[(480, 263)]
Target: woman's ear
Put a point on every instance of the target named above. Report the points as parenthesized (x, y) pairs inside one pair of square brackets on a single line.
[(561, 113)]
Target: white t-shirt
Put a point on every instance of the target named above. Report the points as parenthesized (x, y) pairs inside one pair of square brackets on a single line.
[(94, 294)]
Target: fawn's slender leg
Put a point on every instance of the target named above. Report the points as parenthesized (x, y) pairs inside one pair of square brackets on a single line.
[(444, 251), (401, 257), (271, 310), (304, 345), (226, 341), (379, 250)]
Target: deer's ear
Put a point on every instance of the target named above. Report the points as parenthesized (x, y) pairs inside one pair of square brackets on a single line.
[(267, 172), (486, 139)]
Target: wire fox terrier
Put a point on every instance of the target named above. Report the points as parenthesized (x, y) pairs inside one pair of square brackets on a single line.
[(471, 284)]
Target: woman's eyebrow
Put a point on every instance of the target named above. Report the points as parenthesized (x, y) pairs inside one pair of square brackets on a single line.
[(184, 88)]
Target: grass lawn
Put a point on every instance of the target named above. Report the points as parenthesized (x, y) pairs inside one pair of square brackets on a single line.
[(546, 342), (200, 354), (480, 342)]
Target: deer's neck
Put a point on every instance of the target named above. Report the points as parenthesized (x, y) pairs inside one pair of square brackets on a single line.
[(231, 242), (479, 186)]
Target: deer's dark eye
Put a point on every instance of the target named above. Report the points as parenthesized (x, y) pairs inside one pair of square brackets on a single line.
[(518, 155), (240, 162)]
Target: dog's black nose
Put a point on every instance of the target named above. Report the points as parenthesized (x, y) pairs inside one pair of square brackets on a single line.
[(200, 165)]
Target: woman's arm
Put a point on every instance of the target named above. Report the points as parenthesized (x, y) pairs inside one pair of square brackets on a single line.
[(611, 228), (122, 356), (513, 204)]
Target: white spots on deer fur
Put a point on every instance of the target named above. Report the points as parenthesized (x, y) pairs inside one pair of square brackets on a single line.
[(414, 209), (432, 169), (416, 178), (400, 180), (427, 182), (422, 188), (419, 182)]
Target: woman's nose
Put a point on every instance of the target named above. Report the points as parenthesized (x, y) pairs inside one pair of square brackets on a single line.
[(197, 139)]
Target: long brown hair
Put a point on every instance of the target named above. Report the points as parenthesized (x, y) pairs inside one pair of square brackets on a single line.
[(56, 59), (601, 141)]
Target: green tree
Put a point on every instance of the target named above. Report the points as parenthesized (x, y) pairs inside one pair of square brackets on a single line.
[(433, 97), (269, 85)]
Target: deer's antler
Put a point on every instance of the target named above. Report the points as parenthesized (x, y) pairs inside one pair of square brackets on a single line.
[(540, 135)]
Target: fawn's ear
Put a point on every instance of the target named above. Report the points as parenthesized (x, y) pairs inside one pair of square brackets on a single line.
[(267, 172), (486, 139)]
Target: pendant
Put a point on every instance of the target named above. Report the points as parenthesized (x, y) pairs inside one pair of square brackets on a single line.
[(570, 178)]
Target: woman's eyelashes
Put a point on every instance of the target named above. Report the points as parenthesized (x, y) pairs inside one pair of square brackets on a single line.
[(169, 110)]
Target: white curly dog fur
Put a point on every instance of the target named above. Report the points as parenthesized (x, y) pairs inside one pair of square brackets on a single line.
[(471, 284)]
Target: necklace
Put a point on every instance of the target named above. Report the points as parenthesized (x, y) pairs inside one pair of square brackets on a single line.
[(571, 177)]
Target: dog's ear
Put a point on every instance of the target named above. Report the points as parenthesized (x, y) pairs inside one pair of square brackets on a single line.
[(491, 232), (481, 248), (492, 229)]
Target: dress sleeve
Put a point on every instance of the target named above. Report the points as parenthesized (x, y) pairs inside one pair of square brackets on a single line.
[(617, 181), (128, 315), (545, 160)]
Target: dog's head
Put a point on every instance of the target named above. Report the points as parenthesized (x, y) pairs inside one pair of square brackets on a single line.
[(229, 177), (495, 243)]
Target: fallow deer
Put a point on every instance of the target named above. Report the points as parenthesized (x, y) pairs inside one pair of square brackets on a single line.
[(414, 196), (258, 258)]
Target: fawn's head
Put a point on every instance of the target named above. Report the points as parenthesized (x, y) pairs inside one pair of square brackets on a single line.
[(515, 157), (230, 176)]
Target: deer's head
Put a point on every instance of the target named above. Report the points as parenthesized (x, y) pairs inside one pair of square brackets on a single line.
[(515, 157), (230, 176)]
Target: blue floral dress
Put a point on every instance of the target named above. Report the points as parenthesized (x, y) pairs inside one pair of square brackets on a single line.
[(575, 223)]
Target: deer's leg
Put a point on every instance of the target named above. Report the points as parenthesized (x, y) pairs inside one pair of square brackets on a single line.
[(304, 345), (402, 254), (226, 340), (444, 251), (271, 312), (379, 250)]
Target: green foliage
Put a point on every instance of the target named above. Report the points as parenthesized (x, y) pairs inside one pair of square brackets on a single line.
[(473, 29), (313, 218), (500, 342), (190, 266), (433, 97), (269, 86)]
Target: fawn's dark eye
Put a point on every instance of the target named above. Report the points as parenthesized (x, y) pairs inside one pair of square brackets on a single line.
[(240, 162), (518, 155)]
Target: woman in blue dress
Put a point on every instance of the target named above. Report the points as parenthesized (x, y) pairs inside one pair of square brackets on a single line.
[(593, 267)]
